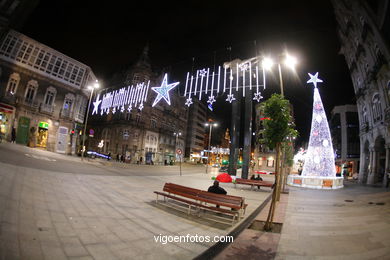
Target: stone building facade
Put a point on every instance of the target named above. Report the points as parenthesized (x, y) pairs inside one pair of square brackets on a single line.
[(150, 135), (344, 128), (364, 32), (43, 94)]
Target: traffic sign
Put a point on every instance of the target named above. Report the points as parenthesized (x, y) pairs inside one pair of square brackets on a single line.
[(179, 151)]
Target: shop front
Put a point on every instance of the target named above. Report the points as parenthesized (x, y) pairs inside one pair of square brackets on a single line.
[(6, 119), (42, 135), (22, 133)]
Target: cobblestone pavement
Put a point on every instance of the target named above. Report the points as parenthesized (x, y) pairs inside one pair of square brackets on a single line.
[(64, 209)]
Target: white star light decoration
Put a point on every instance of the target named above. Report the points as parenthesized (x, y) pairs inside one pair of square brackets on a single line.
[(230, 98), (258, 96), (96, 105), (314, 79), (188, 102), (129, 108), (141, 106), (211, 100), (163, 91), (203, 72)]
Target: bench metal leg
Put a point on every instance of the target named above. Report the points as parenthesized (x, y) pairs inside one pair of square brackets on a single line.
[(156, 198)]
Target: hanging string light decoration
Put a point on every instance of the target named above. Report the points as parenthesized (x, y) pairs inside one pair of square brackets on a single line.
[(229, 80)]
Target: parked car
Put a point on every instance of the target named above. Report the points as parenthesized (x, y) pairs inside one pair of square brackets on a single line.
[(216, 165), (264, 172)]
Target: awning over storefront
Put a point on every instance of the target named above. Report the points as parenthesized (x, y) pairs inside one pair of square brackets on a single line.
[(6, 108)]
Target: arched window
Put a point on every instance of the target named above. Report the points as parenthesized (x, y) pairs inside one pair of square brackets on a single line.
[(13, 83), (31, 91), (68, 105), (50, 96), (365, 115), (376, 108)]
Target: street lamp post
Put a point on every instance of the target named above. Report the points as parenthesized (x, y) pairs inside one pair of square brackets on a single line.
[(176, 150), (289, 61), (210, 125), (95, 86)]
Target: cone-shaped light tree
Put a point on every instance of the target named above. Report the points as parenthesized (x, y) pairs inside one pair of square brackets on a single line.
[(319, 160)]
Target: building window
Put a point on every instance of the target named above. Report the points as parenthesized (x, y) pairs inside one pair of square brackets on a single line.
[(365, 115), (31, 91), (50, 96), (13, 83), (153, 123), (128, 115), (376, 108), (136, 79), (82, 108), (388, 88), (68, 105)]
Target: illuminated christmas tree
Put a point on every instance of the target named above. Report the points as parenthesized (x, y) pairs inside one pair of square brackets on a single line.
[(319, 160)]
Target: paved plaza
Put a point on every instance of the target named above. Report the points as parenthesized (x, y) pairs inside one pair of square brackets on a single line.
[(350, 223), (55, 207)]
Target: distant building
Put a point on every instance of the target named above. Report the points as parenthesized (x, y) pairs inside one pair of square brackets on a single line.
[(195, 140), (147, 135), (43, 94), (363, 28), (264, 157), (344, 128)]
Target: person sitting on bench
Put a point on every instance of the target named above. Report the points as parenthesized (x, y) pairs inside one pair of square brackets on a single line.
[(215, 188), (257, 178)]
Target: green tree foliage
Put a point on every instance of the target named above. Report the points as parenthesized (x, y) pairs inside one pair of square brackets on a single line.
[(277, 121)]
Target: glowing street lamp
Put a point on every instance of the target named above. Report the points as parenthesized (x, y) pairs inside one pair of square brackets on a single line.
[(210, 125), (289, 61), (91, 88)]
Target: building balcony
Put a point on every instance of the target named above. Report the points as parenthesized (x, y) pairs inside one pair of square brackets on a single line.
[(10, 98), (30, 104), (66, 114), (47, 109), (360, 93)]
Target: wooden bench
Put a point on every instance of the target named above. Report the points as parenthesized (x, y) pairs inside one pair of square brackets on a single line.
[(199, 199), (253, 183)]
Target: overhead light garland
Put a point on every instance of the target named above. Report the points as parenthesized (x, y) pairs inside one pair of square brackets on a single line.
[(229, 79)]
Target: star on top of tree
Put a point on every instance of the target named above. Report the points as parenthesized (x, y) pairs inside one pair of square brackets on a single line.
[(314, 79)]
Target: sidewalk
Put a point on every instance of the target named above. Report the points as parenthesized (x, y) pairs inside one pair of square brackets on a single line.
[(350, 223), (257, 244)]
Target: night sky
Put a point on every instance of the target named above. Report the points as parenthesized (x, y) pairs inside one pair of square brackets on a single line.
[(109, 36)]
